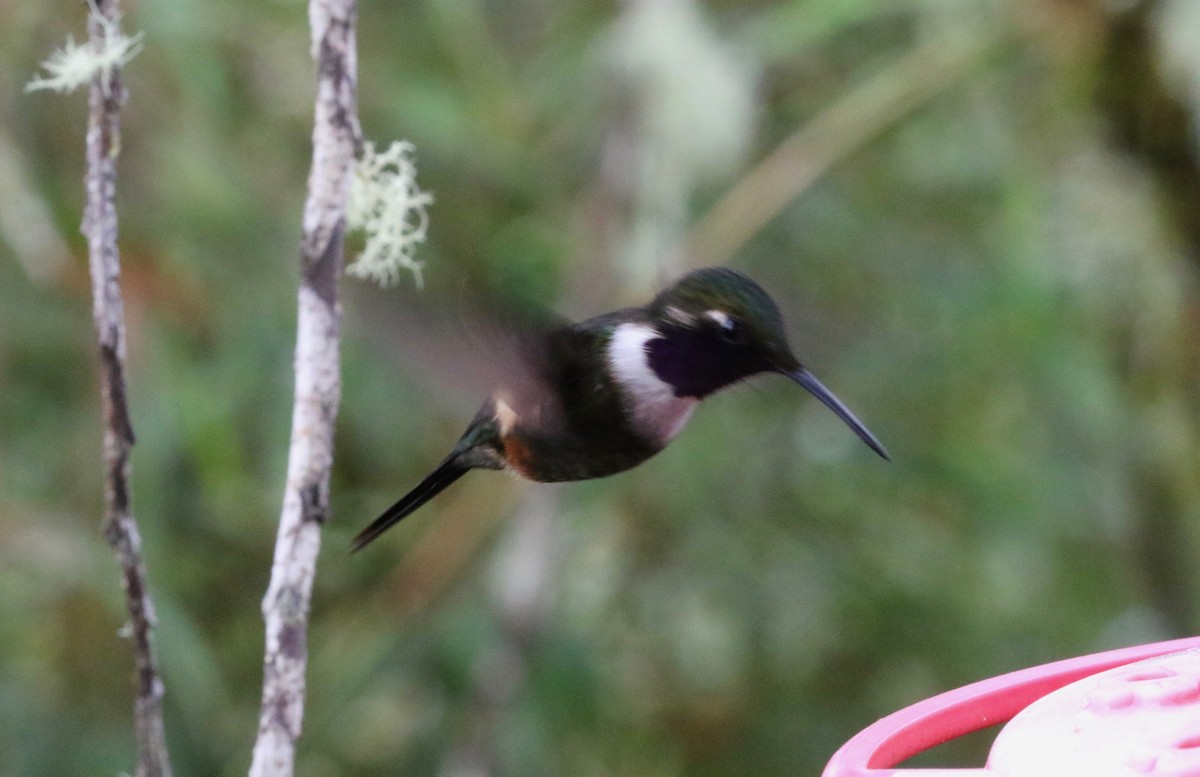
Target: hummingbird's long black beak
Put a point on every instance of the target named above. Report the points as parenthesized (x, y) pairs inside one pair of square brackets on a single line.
[(818, 390)]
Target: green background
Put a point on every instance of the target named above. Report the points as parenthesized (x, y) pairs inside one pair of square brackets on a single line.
[(996, 271)]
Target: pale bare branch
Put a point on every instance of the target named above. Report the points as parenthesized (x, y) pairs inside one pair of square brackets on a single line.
[(336, 137), (107, 94)]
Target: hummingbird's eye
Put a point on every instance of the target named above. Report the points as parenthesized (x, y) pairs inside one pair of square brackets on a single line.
[(728, 328)]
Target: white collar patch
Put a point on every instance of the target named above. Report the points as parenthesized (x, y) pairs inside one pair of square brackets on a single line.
[(651, 402)]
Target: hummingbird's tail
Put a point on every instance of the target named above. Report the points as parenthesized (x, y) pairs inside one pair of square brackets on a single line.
[(447, 472)]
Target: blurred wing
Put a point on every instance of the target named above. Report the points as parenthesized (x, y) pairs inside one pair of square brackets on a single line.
[(467, 351)]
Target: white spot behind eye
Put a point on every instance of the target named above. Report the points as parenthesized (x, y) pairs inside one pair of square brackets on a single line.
[(720, 316), (729, 327)]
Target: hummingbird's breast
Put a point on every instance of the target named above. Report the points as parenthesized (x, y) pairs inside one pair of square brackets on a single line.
[(595, 407)]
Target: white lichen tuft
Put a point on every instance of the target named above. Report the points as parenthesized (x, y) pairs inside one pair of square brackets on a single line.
[(386, 204), (75, 65)]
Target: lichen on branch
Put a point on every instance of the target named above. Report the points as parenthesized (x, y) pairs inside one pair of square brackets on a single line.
[(76, 65), (388, 206)]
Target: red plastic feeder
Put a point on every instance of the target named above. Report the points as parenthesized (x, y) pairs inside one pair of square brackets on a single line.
[(1133, 712)]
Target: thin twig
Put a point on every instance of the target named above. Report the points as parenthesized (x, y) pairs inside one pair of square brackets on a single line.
[(863, 113), (336, 137), (99, 226)]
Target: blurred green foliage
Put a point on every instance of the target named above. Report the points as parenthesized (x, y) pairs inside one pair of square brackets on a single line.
[(997, 279)]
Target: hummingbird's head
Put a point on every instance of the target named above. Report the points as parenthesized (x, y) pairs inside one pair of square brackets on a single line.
[(716, 326)]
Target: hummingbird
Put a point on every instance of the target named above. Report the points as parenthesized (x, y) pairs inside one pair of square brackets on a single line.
[(598, 397)]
